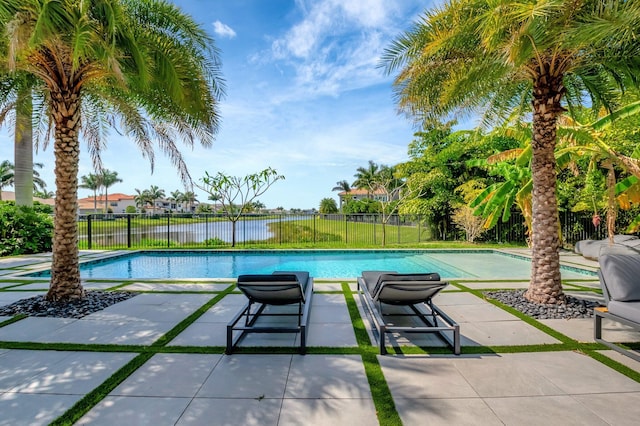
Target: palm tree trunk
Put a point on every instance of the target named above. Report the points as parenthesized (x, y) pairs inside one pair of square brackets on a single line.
[(65, 273), (23, 141), (545, 286)]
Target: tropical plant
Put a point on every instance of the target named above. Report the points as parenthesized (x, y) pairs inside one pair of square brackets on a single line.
[(328, 206), (154, 193), (176, 197), (234, 193), (43, 194), (108, 178), (93, 183), (365, 176), (342, 186), (189, 197), (24, 230), (141, 198), (145, 65), (6, 175), (498, 57)]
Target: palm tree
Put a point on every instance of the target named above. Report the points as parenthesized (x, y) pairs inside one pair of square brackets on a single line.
[(93, 183), (499, 57), (342, 186), (154, 193), (144, 65), (141, 198), (365, 176), (107, 179), (176, 197), (6, 175), (44, 194), (189, 198)]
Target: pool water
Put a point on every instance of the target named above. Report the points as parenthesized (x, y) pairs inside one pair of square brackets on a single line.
[(321, 264)]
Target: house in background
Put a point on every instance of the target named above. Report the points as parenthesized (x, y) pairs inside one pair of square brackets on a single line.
[(361, 194), (11, 196), (117, 202)]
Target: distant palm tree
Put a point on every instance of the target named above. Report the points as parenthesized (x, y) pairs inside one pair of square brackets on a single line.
[(154, 193), (141, 198), (342, 186), (44, 194), (107, 179), (6, 175), (176, 197), (366, 176), (189, 198), (93, 183)]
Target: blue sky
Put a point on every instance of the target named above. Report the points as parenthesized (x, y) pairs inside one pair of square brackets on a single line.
[(304, 96)]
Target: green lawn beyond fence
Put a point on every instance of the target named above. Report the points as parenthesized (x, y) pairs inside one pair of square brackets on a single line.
[(289, 231)]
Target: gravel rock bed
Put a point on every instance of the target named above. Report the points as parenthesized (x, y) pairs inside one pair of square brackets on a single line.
[(573, 308), (93, 301)]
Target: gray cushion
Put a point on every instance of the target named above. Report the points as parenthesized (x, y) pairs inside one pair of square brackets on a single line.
[(592, 249), (408, 278), (627, 310), (620, 273), (279, 288), (371, 278)]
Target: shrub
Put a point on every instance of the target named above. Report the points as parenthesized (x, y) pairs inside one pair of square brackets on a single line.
[(24, 230), (130, 209)]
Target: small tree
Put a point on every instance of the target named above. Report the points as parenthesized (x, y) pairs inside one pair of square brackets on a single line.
[(234, 191), (328, 206)]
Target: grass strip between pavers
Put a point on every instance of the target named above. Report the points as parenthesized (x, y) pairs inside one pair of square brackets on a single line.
[(380, 392), (85, 404)]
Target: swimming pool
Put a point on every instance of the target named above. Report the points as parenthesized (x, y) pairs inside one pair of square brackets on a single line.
[(320, 263)]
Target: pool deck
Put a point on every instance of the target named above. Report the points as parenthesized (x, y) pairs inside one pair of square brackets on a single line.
[(175, 373)]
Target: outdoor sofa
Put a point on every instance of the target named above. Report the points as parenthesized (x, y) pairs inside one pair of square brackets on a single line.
[(277, 289), (591, 249), (413, 291), (620, 281)]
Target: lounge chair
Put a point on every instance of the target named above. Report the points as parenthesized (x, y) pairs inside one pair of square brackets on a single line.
[(415, 291), (280, 288), (591, 249), (619, 272)]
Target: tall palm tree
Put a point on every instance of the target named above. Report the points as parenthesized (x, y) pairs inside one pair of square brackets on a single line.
[(108, 178), (145, 65), (154, 193), (8, 177), (93, 183), (497, 57), (342, 186)]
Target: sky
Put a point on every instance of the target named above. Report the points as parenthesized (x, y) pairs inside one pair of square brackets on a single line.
[(304, 95)]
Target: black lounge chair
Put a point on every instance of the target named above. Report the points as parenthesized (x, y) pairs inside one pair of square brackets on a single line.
[(280, 288), (619, 271), (415, 291)]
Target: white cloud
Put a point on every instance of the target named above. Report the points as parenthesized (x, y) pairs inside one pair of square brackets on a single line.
[(223, 30)]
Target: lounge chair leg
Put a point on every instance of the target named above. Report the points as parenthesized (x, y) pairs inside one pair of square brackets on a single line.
[(382, 331), (597, 329)]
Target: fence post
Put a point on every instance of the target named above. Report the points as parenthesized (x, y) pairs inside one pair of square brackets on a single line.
[(314, 228), (89, 232), (346, 230), (419, 223), (129, 230), (168, 231)]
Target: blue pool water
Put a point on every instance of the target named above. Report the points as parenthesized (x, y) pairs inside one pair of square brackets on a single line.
[(322, 264)]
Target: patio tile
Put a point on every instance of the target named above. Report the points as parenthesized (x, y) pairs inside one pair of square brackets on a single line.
[(327, 376), (511, 285), (575, 373), (247, 376), (246, 412), (503, 333), (171, 375), (425, 377), (8, 297), (601, 405), (133, 410), (333, 335), (478, 313), (456, 298), (543, 410), (33, 409), (18, 366), (328, 412), (446, 412), (10, 284), (41, 286), (31, 329), (202, 334), (91, 285), (622, 359), (76, 374), (580, 329), (328, 300), (324, 314)]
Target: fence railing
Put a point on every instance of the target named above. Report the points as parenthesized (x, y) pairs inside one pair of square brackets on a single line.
[(109, 231)]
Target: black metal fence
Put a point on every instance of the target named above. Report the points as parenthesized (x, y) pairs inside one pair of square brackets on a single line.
[(109, 231)]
